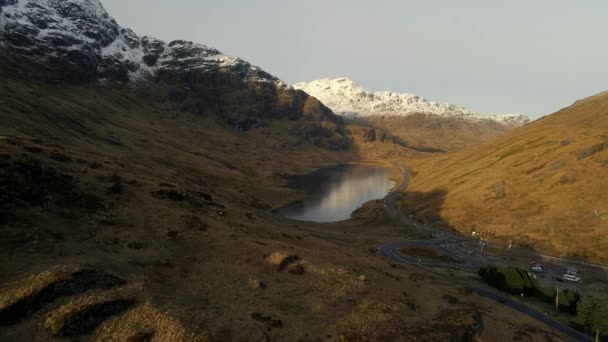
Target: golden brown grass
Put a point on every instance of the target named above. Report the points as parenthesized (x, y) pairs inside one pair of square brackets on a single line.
[(280, 260), (33, 284), (148, 321), (543, 184), (57, 320), (193, 256), (436, 133), (369, 321)]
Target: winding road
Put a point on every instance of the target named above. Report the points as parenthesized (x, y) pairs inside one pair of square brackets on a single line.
[(443, 242), (450, 244)]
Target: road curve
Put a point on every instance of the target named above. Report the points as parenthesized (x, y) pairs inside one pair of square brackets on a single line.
[(444, 243)]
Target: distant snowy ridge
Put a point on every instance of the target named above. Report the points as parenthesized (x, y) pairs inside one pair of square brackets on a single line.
[(346, 97), (81, 35)]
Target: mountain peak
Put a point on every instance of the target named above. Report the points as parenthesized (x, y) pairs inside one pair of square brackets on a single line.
[(80, 41), (346, 97)]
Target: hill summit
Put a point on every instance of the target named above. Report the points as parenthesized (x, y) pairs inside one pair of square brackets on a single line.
[(345, 96), (80, 39)]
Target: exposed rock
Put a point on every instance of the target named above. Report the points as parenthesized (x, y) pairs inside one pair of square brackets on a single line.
[(143, 335), (279, 260), (296, 269), (82, 42), (268, 320), (588, 152), (255, 283), (370, 134), (77, 41)]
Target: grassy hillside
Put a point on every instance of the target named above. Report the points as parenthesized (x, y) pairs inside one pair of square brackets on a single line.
[(125, 215), (433, 133), (543, 184)]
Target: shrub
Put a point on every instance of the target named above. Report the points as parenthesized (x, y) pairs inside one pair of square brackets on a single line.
[(546, 293), (514, 283), (568, 299), (508, 279)]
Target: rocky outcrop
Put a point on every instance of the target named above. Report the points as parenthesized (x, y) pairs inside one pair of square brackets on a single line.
[(82, 42), (370, 134)]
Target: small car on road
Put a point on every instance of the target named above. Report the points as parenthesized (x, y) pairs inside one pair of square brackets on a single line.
[(572, 278), (537, 269)]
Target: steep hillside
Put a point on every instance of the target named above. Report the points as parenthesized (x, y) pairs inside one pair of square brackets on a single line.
[(137, 185), (124, 216), (420, 123), (543, 184), (433, 133), (79, 42)]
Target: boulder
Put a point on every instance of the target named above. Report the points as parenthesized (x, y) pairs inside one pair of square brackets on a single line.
[(279, 260)]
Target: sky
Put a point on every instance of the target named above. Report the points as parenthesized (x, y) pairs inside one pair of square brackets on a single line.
[(516, 56)]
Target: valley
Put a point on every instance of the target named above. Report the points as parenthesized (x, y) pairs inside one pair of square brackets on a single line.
[(415, 122), (182, 220), (540, 185), (158, 190)]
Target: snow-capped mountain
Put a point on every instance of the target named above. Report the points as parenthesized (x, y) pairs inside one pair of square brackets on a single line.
[(82, 40), (346, 97), (77, 41)]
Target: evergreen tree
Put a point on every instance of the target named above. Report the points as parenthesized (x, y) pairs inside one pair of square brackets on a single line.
[(592, 311)]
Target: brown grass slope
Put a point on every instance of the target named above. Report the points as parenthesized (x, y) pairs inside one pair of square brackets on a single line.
[(127, 216), (434, 133), (543, 184)]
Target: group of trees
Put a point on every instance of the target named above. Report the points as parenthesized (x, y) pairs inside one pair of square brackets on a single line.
[(591, 311), (510, 279)]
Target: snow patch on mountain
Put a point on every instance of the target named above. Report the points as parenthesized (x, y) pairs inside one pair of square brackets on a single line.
[(346, 97)]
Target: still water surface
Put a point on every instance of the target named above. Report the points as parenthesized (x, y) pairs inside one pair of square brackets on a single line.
[(333, 193)]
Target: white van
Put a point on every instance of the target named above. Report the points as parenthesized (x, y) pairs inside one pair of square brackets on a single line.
[(570, 277)]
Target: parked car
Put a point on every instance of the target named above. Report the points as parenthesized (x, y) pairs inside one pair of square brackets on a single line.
[(572, 270), (572, 278), (537, 269)]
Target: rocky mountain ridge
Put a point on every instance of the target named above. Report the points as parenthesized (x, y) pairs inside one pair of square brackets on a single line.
[(77, 41), (348, 98), (80, 38)]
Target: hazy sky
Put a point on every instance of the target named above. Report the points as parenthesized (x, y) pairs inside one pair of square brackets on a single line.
[(521, 56)]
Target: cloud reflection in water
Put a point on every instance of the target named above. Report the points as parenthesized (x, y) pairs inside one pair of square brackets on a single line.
[(333, 193)]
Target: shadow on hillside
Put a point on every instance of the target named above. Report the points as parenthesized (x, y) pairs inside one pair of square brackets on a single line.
[(426, 207)]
